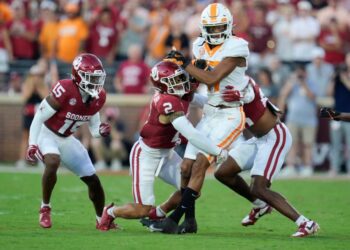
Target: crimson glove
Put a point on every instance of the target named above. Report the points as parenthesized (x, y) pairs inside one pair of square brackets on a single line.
[(105, 129), (229, 94), (33, 154)]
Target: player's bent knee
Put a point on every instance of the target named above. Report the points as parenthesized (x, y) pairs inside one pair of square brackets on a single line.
[(259, 191), (186, 167), (91, 180), (52, 161)]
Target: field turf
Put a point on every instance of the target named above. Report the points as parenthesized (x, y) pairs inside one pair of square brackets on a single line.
[(219, 213)]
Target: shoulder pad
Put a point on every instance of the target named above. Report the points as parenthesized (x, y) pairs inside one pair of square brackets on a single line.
[(236, 47)]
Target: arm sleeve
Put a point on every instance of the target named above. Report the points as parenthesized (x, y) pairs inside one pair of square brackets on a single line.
[(198, 101), (195, 137), (94, 125), (45, 111)]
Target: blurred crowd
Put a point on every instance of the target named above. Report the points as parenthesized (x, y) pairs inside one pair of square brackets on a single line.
[(300, 52)]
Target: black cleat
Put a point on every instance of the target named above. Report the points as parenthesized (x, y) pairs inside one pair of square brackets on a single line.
[(188, 226), (146, 222), (166, 226)]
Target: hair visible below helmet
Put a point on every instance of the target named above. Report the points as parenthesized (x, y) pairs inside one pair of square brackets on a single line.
[(170, 78), (88, 73), (215, 15)]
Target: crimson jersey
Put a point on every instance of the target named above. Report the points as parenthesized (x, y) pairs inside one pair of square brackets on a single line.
[(156, 134), (73, 112), (255, 109)]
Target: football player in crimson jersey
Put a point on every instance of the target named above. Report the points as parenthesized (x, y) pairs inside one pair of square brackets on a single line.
[(263, 155), (71, 103), (153, 155)]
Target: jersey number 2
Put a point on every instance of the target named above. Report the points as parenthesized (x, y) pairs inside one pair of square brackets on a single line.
[(168, 107)]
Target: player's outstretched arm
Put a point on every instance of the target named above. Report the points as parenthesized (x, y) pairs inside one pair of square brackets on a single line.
[(334, 115), (195, 137)]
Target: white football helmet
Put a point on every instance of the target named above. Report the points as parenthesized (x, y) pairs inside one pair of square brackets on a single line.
[(215, 15)]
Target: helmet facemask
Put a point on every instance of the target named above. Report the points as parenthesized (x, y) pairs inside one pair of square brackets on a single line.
[(92, 83), (214, 37), (178, 83)]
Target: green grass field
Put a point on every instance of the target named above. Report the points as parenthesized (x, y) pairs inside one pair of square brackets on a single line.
[(219, 213)]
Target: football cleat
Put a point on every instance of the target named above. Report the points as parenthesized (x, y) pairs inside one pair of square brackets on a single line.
[(45, 217), (166, 226), (307, 228), (188, 226), (255, 214), (106, 220), (111, 226)]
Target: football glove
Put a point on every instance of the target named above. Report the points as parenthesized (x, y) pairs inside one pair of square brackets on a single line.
[(329, 113), (229, 94), (176, 57), (105, 129), (222, 157), (33, 154), (201, 64)]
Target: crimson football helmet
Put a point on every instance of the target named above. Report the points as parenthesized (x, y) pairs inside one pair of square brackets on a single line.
[(168, 77), (88, 73)]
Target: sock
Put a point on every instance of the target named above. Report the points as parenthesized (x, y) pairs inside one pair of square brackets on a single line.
[(45, 205), (190, 212), (98, 218), (187, 201), (259, 203), (301, 220), (160, 212), (110, 211)]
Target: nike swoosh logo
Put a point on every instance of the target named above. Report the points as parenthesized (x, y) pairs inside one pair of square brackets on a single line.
[(154, 229), (310, 227), (183, 207)]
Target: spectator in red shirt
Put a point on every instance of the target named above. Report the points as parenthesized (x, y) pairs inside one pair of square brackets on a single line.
[(133, 74), (103, 36), (332, 39), (260, 31), (22, 33)]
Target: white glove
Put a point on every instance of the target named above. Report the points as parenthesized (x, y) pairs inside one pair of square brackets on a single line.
[(221, 157)]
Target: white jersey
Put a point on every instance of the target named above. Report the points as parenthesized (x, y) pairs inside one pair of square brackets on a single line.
[(232, 47)]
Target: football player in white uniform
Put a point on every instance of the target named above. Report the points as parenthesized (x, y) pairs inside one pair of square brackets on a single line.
[(222, 121)]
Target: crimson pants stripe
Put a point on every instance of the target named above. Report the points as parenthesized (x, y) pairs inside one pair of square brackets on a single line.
[(268, 164), (138, 176), (279, 151), (133, 166)]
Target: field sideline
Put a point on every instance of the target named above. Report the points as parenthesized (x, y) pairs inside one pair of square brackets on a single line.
[(219, 213)]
